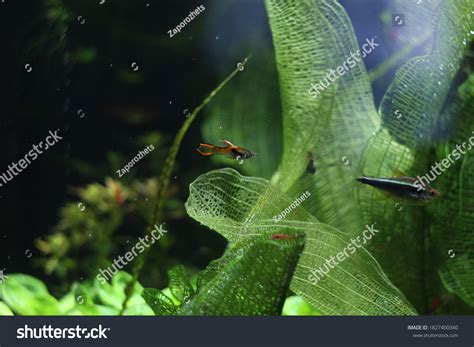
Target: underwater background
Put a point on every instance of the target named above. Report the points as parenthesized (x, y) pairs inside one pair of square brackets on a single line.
[(107, 76)]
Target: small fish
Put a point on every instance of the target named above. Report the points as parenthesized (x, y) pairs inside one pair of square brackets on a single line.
[(118, 195), (435, 304), (281, 237), (404, 189), (311, 167), (229, 150)]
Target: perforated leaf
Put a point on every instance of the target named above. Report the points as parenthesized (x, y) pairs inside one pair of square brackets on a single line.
[(406, 142), (159, 302), (179, 283), (453, 217), (311, 38), (241, 207), (251, 279)]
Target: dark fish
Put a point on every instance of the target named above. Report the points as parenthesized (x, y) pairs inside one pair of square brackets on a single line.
[(403, 189), (311, 167), (230, 150)]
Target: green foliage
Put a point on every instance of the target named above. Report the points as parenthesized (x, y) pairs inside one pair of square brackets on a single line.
[(347, 136), (241, 207), (179, 285), (26, 295), (252, 278), (412, 143), (160, 303), (311, 37), (453, 217), (295, 306), (85, 237)]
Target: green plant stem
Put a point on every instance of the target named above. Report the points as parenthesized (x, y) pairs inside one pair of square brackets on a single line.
[(164, 180)]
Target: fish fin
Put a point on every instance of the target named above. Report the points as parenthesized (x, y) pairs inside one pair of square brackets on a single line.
[(203, 153), (398, 173), (227, 143), (362, 179)]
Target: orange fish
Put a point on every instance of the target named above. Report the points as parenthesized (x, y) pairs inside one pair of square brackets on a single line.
[(229, 150), (118, 195)]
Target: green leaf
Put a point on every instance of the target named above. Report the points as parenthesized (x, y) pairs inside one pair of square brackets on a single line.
[(295, 306), (453, 216), (28, 296), (412, 129), (240, 207), (161, 304), (312, 37), (114, 294), (5, 310), (420, 87), (179, 283), (253, 280)]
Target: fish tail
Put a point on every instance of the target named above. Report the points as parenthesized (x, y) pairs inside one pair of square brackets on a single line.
[(363, 180), (205, 149)]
